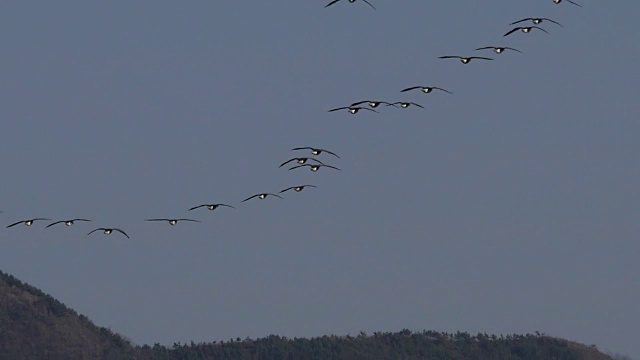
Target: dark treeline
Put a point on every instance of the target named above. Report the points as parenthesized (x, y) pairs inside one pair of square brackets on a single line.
[(34, 325)]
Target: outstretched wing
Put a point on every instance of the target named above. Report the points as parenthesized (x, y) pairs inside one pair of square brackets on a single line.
[(57, 222), (555, 22), (510, 48), (288, 161), (411, 88), (122, 232), (331, 3), (197, 207), (329, 152), (340, 108), (519, 21), (369, 4), (512, 31), (539, 28), (251, 197), (14, 224)]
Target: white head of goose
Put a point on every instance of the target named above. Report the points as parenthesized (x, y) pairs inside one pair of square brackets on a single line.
[(536, 21), (352, 109), (28, 222), (296, 188), (108, 231), (172, 221), (498, 49), (524, 29), (405, 105), (314, 167), (210, 207), (300, 161), (372, 103), (426, 89), (262, 196), (464, 60), (67, 222), (316, 151)]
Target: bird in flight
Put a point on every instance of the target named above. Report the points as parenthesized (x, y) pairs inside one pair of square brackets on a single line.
[(464, 60), (262, 196), (536, 21), (426, 89), (525, 29), (405, 105), (351, 1), (296, 188), (371, 103), (314, 167), (352, 109), (300, 161), (210, 206), (108, 231), (316, 151), (28, 222), (67, 222), (498, 49), (559, 1), (172, 221)]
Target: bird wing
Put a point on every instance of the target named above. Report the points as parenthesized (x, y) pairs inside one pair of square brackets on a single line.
[(539, 28), (14, 224), (450, 57), (57, 222), (519, 21), (480, 57), (297, 166), (302, 148), (122, 232), (94, 230), (418, 105), (329, 152), (80, 220), (359, 102), (411, 88), (156, 220), (196, 207), (333, 167), (576, 4), (287, 189), (340, 108), (225, 205), (441, 89), (251, 197), (510, 48), (331, 3), (512, 31), (555, 22), (318, 161), (369, 4), (188, 220), (484, 48), (276, 195), (364, 108), (286, 162)]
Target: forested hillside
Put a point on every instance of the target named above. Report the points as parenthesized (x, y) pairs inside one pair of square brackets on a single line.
[(34, 325)]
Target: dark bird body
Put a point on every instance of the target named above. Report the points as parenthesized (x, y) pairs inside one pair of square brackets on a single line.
[(210, 206), (262, 196), (525, 29), (296, 188), (350, 1), (426, 89), (314, 167), (315, 151), (173, 221), (464, 60), (352, 109), (28, 222), (498, 49), (108, 231)]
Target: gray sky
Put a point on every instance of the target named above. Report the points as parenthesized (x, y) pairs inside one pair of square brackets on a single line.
[(510, 206)]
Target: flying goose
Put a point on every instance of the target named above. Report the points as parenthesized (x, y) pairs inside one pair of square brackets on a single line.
[(536, 21), (108, 231), (297, 188), (559, 1), (210, 206), (464, 60), (28, 222), (316, 151), (262, 196), (172, 221), (372, 103), (314, 167), (67, 222), (405, 105), (525, 29), (498, 49), (300, 161), (350, 1), (426, 89), (352, 109)]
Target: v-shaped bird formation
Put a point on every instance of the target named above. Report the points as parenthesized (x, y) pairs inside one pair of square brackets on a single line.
[(312, 161)]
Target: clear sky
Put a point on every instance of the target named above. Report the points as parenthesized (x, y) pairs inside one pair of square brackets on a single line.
[(512, 205)]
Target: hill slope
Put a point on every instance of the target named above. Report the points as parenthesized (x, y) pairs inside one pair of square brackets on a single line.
[(33, 325)]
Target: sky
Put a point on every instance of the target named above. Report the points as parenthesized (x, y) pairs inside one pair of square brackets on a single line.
[(509, 206)]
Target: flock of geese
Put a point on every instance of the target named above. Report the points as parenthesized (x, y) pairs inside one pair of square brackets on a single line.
[(312, 162)]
